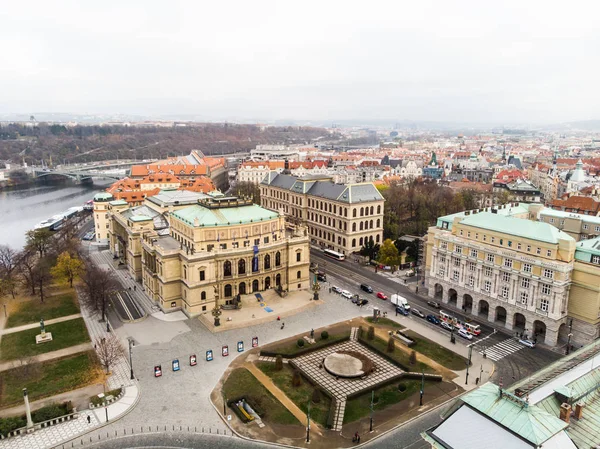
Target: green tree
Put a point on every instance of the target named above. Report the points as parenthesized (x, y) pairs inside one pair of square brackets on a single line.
[(391, 345), (388, 254), (39, 240), (67, 268), (369, 249)]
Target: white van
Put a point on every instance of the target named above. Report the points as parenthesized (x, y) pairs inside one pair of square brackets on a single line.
[(400, 301)]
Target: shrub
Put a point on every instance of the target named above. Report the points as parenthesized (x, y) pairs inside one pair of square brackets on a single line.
[(360, 332), (391, 345), (402, 387), (49, 412), (300, 342), (278, 363), (324, 335), (371, 333), (375, 399), (10, 424), (296, 379), (316, 396), (413, 358)]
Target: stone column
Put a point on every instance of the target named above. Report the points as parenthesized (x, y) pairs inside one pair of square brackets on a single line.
[(27, 410)]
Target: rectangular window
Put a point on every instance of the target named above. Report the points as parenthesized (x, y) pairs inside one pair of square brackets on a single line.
[(202, 275), (493, 239), (487, 286), (256, 242), (504, 291), (223, 246), (490, 258), (586, 227), (473, 253), (545, 305), (548, 273), (444, 245), (456, 261), (442, 272), (455, 276), (524, 296), (509, 243), (505, 276), (461, 232), (552, 220), (442, 259), (518, 246), (546, 289), (235, 245), (524, 282), (471, 281), (472, 266), (488, 271), (528, 248), (458, 249), (538, 251), (246, 243), (298, 257), (595, 259), (484, 237), (508, 263), (549, 253), (266, 240), (527, 267)]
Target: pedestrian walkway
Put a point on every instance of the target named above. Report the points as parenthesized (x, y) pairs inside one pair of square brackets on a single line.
[(47, 356), (499, 350), (25, 327)]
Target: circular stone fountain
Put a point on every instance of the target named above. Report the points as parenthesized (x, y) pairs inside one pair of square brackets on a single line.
[(344, 365)]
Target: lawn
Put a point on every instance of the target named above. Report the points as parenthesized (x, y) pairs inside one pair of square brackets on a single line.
[(49, 378), (298, 395), (434, 351), (359, 406), (398, 355), (290, 349), (22, 344), (385, 322), (53, 307), (241, 383)]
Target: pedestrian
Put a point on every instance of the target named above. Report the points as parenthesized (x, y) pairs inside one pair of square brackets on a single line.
[(282, 325), (135, 288), (417, 289), (89, 418), (329, 289), (355, 437), (278, 318)]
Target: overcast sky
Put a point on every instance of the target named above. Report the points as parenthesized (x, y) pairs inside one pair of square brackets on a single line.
[(473, 61)]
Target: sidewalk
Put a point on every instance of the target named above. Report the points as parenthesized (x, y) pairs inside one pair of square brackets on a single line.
[(48, 356), (25, 327)]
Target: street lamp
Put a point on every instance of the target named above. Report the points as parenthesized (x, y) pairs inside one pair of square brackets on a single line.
[(570, 335), (372, 405), (316, 285), (131, 344), (308, 423)]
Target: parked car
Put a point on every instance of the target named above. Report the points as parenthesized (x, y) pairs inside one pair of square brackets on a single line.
[(402, 310), (346, 294), (336, 289), (446, 326), (362, 302), (417, 312), (313, 267), (527, 343), (465, 334), (322, 277), (381, 295), (366, 288), (433, 319), (434, 304)]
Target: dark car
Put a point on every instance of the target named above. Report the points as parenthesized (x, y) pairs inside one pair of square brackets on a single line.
[(402, 310), (433, 319), (434, 304), (417, 313), (366, 288), (362, 302), (322, 277)]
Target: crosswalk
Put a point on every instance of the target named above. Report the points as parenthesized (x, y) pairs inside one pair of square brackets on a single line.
[(501, 349)]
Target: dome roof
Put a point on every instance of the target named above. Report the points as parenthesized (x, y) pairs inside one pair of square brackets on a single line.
[(103, 196)]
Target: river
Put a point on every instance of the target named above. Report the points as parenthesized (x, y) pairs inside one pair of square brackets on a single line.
[(21, 209)]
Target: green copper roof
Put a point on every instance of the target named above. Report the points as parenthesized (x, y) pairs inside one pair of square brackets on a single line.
[(118, 203), (103, 196), (528, 421), (586, 249), (508, 210), (534, 230), (137, 218), (201, 216)]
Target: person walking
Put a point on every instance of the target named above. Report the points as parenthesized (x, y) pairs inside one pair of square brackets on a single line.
[(282, 325), (89, 418)]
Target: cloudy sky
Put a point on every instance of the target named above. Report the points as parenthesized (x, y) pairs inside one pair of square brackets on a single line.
[(469, 61)]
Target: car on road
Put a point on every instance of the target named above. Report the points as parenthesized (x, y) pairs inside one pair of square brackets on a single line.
[(528, 343), (402, 310), (409, 273), (346, 294), (434, 304), (366, 288), (322, 277), (465, 334), (381, 295), (433, 319), (446, 326), (336, 289), (417, 313), (362, 302)]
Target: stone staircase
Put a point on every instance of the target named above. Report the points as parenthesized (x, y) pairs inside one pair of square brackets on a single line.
[(354, 334), (338, 416)]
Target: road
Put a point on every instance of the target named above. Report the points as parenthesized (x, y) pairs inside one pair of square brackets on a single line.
[(517, 362)]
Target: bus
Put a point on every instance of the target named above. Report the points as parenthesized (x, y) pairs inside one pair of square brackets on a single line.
[(333, 254)]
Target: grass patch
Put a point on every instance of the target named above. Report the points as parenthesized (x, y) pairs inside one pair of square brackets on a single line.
[(359, 406), (99, 401), (434, 351), (22, 344), (48, 378), (53, 307), (291, 348), (385, 322), (241, 383), (298, 395), (398, 355)]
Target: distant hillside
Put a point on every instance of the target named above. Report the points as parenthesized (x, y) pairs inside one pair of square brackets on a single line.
[(581, 125), (91, 143)]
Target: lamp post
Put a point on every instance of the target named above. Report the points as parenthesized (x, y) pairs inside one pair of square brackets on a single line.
[(308, 423), (372, 405), (468, 364), (216, 311), (131, 344), (570, 335), (316, 285)]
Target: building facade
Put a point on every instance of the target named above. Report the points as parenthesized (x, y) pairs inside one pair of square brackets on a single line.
[(341, 217)]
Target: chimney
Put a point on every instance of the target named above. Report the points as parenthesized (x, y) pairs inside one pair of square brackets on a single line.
[(578, 411), (565, 412)]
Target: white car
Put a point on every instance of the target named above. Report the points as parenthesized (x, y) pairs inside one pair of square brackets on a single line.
[(336, 289), (527, 343), (465, 334), (346, 294)]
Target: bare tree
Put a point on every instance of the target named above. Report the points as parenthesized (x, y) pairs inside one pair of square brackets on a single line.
[(8, 268), (43, 276), (98, 285), (39, 240), (109, 351), (27, 263)]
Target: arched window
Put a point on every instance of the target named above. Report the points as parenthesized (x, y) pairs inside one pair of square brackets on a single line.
[(344, 241), (361, 226), (278, 280), (379, 209), (353, 243), (360, 242), (377, 238), (371, 211), (227, 268), (299, 274), (362, 211), (371, 238), (203, 295), (354, 213), (242, 288), (353, 227), (267, 262), (378, 222), (241, 266), (228, 292), (277, 259), (371, 224), (255, 285)]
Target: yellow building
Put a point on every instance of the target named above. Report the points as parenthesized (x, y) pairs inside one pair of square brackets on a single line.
[(101, 221), (584, 297), (341, 217), (186, 246)]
